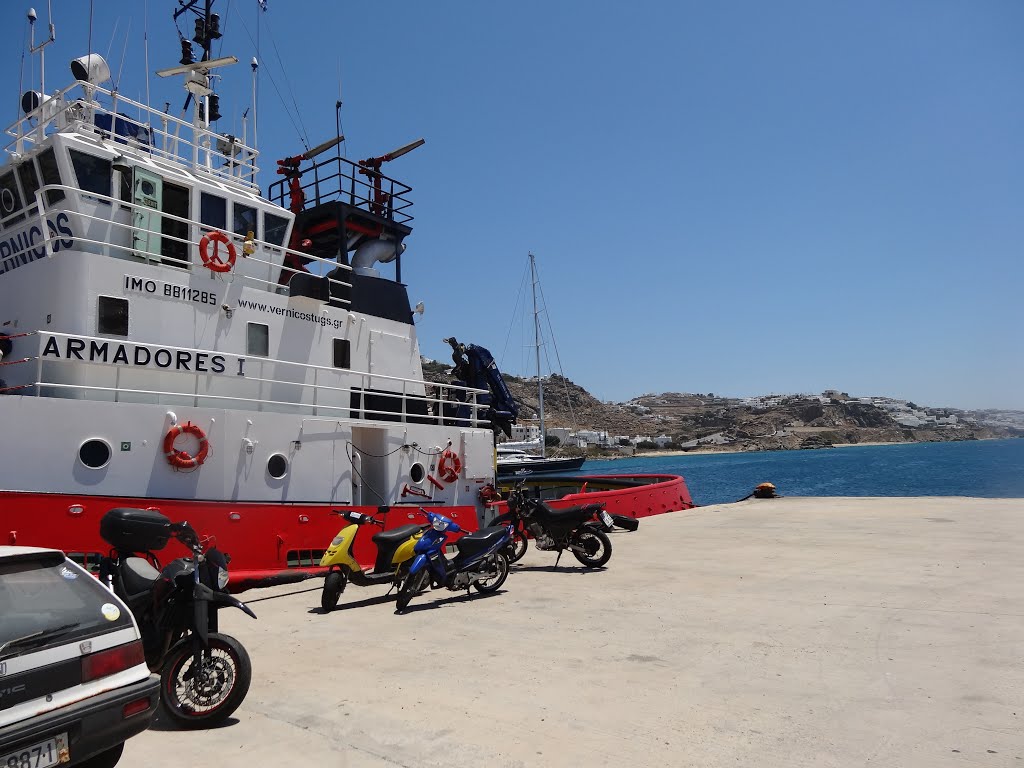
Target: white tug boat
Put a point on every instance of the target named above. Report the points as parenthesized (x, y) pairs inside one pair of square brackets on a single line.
[(174, 339)]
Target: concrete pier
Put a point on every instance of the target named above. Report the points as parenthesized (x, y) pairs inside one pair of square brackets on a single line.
[(788, 632)]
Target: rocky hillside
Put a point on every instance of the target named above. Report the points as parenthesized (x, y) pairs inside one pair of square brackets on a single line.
[(707, 422)]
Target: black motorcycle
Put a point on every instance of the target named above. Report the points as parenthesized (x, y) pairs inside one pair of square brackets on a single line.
[(204, 675), (580, 529)]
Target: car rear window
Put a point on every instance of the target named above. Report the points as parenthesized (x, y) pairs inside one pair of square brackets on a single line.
[(46, 601)]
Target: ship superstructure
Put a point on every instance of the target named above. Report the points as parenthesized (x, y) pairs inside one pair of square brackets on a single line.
[(173, 338)]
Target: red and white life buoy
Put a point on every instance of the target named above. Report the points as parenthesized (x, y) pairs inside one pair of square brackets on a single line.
[(450, 466), (183, 459), (212, 260)]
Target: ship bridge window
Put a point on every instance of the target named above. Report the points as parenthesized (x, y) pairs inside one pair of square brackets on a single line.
[(342, 354), (257, 340), (112, 316), (274, 228), (213, 211), (10, 199), (93, 173), (29, 182), (245, 219), (174, 245), (51, 175)]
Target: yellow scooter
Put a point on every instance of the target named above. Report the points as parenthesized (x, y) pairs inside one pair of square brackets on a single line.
[(394, 549)]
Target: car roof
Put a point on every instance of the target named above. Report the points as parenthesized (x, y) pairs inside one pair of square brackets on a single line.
[(8, 551)]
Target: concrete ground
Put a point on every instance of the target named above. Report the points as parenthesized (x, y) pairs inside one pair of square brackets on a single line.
[(791, 632)]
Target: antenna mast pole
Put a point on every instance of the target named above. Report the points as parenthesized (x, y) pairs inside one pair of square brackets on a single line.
[(536, 338), (41, 48)]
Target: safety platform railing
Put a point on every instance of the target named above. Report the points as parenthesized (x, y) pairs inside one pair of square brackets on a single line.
[(96, 111), (115, 233), (340, 179), (409, 400)]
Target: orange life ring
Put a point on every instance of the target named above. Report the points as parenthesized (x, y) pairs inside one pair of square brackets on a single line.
[(183, 459), (450, 466), (212, 261)]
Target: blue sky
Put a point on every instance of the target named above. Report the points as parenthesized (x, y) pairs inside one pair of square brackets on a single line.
[(738, 198)]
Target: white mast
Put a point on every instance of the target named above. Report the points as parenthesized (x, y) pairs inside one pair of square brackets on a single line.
[(536, 337)]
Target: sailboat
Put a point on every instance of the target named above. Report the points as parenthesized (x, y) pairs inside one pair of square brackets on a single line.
[(516, 458)]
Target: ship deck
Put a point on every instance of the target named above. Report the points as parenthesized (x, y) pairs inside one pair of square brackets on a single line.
[(787, 632)]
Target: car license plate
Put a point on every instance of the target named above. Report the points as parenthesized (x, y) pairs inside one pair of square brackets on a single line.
[(48, 753), (605, 518)]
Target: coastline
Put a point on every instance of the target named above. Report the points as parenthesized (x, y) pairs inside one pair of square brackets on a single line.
[(707, 452)]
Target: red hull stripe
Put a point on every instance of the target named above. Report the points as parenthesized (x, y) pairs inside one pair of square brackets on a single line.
[(276, 542)]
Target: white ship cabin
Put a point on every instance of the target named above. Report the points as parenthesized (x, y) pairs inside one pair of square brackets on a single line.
[(139, 262)]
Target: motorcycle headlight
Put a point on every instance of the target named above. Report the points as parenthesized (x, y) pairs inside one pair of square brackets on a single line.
[(439, 524), (222, 578)]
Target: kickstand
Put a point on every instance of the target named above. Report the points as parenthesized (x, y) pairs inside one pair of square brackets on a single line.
[(559, 557)]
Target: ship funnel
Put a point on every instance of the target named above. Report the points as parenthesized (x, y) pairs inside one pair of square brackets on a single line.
[(92, 68), (372, 251)]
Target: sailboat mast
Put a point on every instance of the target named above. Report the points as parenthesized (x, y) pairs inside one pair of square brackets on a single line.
[(536, 338)]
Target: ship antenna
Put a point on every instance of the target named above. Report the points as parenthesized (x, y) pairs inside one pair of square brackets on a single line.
[(337, 111), (255, 118), (124, 50), (42, 46), (145, 45)]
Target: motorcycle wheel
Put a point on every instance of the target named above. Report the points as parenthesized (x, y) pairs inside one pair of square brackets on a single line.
[(517, 549), (334, 585), (596, 544), (411, 587), (224, 681), (486, 586)]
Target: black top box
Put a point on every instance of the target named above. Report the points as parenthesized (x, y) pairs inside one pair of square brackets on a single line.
[(135, 530)]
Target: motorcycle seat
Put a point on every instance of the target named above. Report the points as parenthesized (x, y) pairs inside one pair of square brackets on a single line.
[(396, 535), (138, 575), (579, 512), (478, 541)]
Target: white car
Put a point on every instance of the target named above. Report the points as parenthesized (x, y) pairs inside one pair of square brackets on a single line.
[(74, 684)]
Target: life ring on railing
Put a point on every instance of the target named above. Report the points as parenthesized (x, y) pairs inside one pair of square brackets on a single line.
[(450, 466), (183, 459), (212, 261)]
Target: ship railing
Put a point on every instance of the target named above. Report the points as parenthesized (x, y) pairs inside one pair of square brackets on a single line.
[(92, 110), (338, 178), (411, 400), (116, 239)]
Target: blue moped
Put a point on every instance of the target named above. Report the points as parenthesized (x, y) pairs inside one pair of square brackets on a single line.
[(479, 561)]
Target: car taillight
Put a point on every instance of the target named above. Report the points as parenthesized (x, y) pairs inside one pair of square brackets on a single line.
[(112, 661), (135, 707)]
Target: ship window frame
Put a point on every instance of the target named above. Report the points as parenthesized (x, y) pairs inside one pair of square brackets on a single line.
[(49, 174), (87, 178), (252, 341), (213, 211), (272, 228), (121, 302), (344, 348), (9, 183), (277, 466), (245, 228), (28, 168), (86, 450)]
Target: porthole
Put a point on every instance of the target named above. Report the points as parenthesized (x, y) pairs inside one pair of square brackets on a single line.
[(94, 453), (277, 466), (416, 472)]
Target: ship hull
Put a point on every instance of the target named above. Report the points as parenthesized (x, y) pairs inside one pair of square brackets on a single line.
[(534, 466)]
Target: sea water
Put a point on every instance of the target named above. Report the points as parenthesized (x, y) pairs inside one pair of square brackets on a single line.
[(987, 468)]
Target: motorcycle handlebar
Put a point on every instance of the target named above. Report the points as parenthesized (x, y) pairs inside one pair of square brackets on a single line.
[(186, 534)]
